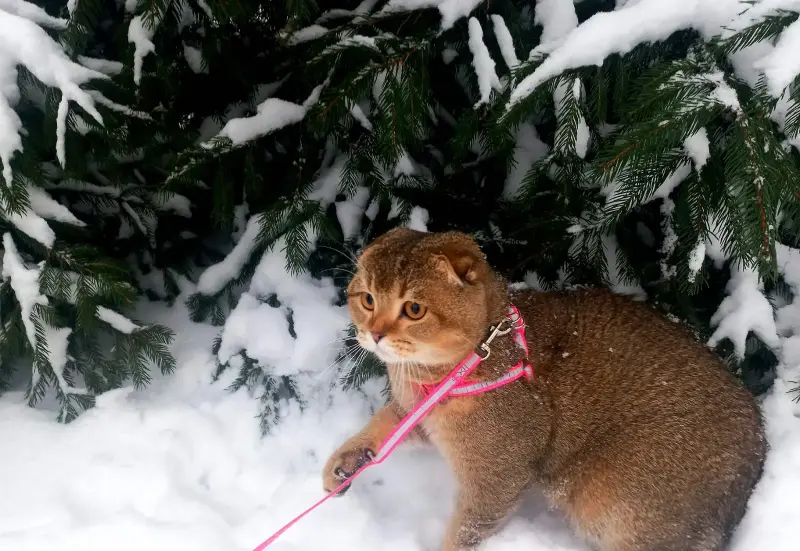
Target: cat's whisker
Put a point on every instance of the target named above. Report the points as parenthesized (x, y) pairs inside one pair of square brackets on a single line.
[(351, 272), (339, 340), (349, 351), (348, 255), (358, 358)]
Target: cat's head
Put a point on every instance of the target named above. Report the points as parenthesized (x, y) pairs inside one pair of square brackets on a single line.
[(424, 298)]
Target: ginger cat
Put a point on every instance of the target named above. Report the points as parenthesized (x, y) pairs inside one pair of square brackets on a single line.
[(632, 428)]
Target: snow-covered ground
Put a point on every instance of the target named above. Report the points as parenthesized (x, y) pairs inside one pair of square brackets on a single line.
[(181, 466)]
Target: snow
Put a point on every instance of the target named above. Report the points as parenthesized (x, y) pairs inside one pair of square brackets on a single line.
[(557, 18), (263, 331), (258, 328), (61, 131), (101, 99), (528, 150), (482, 62), (616, 281), (359, 115), (751, 13), (673, 181), (743, 310), (33, 225), (57, 339), (216, 277), (698, 148), (326, 186), (349, 212), (696, 258), (25, 284), (46, 207), (505, 41), (307, 34), (194, 57), (141, 37), (619, 31), (175, 202), (451, 10), (418, 219), (573, 87), (206, 480), (116, 320), (582, 135), (104, 66), (271, 115), (34, 13), (404, 166), (23, 42), (10, 139), (782, 65)]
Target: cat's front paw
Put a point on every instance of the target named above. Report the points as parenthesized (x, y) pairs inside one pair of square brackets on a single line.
[(342, 465)]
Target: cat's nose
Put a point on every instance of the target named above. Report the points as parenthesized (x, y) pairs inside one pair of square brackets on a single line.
[(377, 336)]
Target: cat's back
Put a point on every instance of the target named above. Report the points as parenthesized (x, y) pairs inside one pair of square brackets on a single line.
[(643, 412), (616, 368), (623, 348)]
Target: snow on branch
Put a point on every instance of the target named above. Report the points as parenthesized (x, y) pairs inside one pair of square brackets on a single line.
[(271, 115), (10, 123), (782, 64), (620, 31), (23, 42), (505, 41), (33, 13), (31, 220), (104, 66), (557, 18), (756, 12), (47, 207), (451, 10), (25, 284), (57, 342), (787, 318), (745, 309), (529, 149), (215, 277), (483, 63), (141, 36), (698, 148), (116, 320)]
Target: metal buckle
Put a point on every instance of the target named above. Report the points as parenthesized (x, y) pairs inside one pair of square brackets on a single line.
[(496, 331)]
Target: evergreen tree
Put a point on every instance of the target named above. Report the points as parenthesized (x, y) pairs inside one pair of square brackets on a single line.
[(600, 142), (646, 164), (86, 225)]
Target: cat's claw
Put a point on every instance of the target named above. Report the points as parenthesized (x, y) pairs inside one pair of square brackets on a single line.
[(347, 464)]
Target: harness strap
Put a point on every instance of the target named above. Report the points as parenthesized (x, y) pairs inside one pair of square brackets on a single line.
[(522, 369), (450, 386)]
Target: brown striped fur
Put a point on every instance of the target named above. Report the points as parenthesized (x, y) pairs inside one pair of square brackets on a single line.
[(632, 428)]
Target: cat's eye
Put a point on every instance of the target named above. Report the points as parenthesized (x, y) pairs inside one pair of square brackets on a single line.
[(367, 301), (414, 310)]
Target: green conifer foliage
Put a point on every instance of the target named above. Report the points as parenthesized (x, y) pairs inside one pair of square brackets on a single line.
[(658, 172), (232, 128), (87, 227)]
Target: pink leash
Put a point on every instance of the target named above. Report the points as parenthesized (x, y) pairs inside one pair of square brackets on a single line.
[(449, 387)]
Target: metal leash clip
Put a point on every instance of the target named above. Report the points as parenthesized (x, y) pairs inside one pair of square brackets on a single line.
[(496, 332)]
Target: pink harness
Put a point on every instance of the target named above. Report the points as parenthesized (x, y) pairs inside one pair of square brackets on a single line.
[(452, 385)]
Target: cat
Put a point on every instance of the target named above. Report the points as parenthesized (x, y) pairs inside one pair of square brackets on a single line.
[(629, 426)]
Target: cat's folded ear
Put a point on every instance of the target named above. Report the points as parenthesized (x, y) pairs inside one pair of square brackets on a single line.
[(458, 258)]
